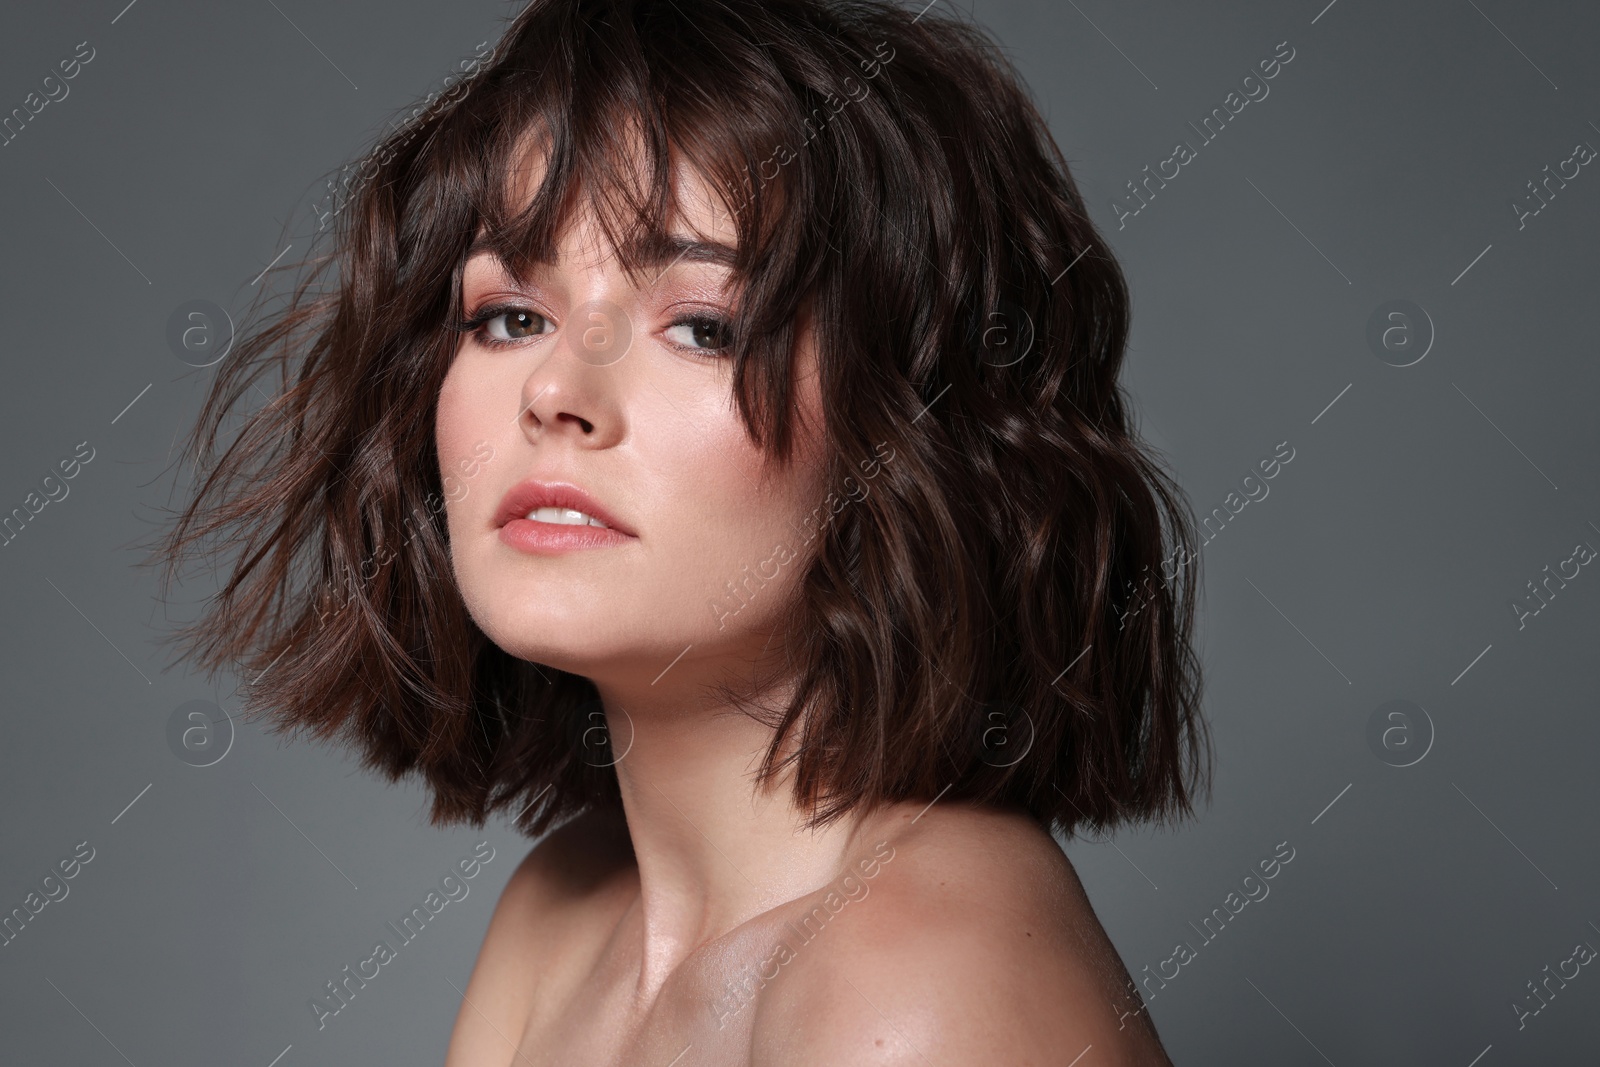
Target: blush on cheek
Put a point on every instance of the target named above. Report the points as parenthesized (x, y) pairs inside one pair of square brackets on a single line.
[(462, 433)]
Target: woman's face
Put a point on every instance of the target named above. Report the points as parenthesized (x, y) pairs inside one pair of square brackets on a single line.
[(579, 379)]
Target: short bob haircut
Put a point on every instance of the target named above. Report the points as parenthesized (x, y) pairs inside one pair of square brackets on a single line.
[(983, 623)]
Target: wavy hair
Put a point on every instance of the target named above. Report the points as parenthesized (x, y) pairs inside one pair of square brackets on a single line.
[(965, 630)]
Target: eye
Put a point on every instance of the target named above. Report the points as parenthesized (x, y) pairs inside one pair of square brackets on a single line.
[(708, 333), (504, 324), (513, 325)]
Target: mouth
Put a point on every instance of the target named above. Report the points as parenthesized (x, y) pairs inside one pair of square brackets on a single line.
[(559, 504), (564, 517)]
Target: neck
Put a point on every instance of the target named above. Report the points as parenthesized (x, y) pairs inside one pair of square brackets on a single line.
[(712, 850)]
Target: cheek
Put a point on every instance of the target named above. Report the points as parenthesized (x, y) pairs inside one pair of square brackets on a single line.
[(451, 427), (723, 503), (463, 423), (738, 518)]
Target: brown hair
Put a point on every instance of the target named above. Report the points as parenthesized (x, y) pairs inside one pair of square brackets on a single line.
[(964, 629)]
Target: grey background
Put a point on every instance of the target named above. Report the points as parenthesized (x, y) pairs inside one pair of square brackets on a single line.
[(1381, 566)]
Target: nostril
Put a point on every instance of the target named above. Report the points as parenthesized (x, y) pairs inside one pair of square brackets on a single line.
[(584, 424)]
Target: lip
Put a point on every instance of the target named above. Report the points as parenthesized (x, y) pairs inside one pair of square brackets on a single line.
[(526, 496)]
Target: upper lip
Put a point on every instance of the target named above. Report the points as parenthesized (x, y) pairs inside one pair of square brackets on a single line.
[(531, 494)]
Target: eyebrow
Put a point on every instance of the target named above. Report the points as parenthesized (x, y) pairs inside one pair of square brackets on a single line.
[(663, 253)]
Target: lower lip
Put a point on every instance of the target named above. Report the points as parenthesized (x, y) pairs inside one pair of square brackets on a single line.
[(550, 538)]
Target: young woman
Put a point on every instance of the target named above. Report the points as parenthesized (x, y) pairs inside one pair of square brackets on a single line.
[(710, 455)]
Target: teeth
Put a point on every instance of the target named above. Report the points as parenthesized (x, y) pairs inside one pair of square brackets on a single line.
[(564, 517)]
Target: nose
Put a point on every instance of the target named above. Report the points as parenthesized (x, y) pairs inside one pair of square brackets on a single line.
[(571, 394)]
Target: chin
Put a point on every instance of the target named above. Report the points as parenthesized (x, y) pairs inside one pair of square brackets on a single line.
[(567, 640), (610, 623), (590, 637)]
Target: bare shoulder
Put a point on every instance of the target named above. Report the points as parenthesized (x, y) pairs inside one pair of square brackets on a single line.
[(971, 940), (554, 904)]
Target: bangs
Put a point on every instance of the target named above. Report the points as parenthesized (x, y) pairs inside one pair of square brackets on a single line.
[(895, 193), (615, 120)]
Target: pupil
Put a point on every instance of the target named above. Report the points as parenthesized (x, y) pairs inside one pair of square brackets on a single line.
[(708, 333), (523, 322)]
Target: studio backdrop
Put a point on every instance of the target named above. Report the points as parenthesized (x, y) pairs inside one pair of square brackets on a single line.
[(1363, 243)]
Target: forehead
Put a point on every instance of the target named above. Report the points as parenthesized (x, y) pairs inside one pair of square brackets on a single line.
[(698, 225)]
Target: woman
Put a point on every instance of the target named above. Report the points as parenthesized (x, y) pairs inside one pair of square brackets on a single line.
[(711, 456)]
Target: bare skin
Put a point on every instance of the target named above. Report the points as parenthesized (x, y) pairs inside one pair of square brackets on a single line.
[(652, 940), (954, 935)]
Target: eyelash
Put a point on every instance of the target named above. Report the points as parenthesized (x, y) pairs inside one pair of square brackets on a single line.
[(488, 313), (477, 323)]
